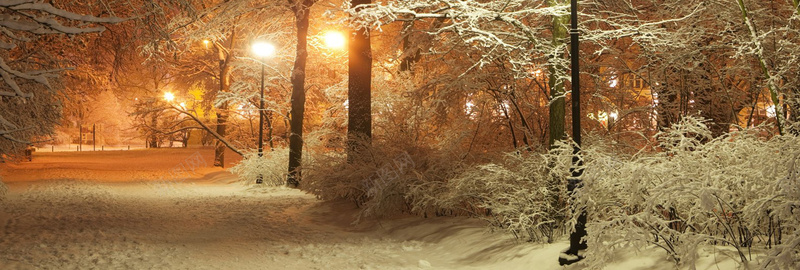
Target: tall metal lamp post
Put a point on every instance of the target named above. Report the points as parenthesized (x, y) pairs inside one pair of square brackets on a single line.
[(576, 242), (261, 49)]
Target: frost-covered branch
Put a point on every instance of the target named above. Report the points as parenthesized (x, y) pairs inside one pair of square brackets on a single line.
[(497, 29), (758, 52), (209, 130), (26, 91)]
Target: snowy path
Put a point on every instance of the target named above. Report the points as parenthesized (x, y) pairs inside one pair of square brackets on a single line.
[(114, 214), (81, 225), (212, 222)]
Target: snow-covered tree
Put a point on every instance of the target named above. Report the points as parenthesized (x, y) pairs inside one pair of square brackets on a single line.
[(202, 43), (30, 51), (521, 37), (712, 58)]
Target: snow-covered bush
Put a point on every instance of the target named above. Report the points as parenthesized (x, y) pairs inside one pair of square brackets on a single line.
[(738, 190), (382, 178), (271, 166), (519, 193)]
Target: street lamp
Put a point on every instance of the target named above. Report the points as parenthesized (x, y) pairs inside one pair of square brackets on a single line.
[(169, 96), (262, 49), (334, 40)]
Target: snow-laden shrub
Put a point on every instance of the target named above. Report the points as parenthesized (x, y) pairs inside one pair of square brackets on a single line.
[(382, 178), (272, 166), (777, 208), (738, 190), (518, 193)]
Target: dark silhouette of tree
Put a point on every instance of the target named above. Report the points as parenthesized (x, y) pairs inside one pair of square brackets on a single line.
[(359, 127), (302, 10)]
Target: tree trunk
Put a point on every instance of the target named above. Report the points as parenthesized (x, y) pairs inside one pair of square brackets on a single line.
[(269, 130), (558, 100), (759, 54), (301, 9), (219, 147), (359, 128), (222, 110), (222, 115), (153, 139)]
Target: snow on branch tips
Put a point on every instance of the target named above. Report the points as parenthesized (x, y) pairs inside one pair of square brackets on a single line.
[(512, 32), (23, 20), (42, 18)]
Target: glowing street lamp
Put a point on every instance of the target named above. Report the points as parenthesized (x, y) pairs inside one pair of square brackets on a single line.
[(334, 40), (263, 50), (169, 97)]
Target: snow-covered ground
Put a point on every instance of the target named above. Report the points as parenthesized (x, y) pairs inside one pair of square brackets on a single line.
[(87, 148), (160, 209)]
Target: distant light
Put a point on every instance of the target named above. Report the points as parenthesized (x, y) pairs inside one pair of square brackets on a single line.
[(613, 83), (183, 105), (771, 111), (470, 107), (613, 115), (537, 72), (168, 96), (206, 42), (334, 40), (263, 49)]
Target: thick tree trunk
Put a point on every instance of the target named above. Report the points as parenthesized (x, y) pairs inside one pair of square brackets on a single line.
[(225, 57), (359, 128), (222, 114), (558, 100), (153, 139), (219, 147), (301, 10)]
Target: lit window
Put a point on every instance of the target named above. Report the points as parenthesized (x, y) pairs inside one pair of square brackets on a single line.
[(638, 83)]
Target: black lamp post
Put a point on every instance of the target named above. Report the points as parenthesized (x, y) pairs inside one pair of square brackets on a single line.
[(576, 242), (263, 50), (260, 178)]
